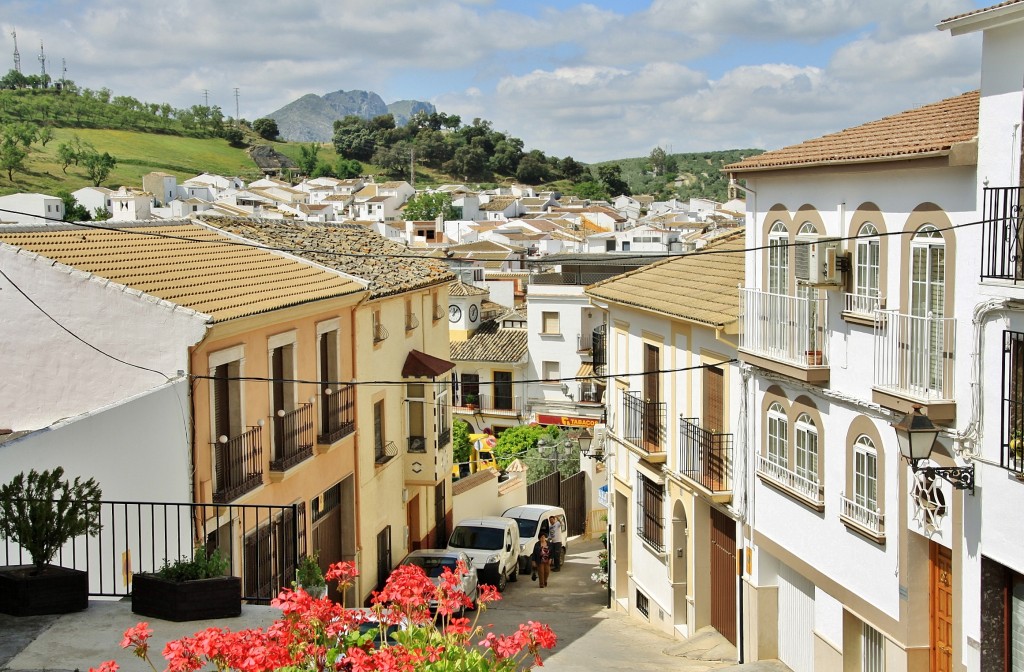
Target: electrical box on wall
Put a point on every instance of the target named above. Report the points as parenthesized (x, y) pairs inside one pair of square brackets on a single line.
[(820, 262)]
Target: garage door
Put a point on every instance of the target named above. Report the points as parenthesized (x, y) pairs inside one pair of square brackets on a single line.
[(796, 621)]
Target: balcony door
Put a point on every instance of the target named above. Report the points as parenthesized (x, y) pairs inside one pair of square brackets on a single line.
[(713, 409), (652, 397), (927, 306), (503, 398)]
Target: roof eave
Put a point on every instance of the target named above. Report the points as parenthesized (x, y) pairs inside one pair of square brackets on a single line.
[(843, 162), (986, 18), (727, 326)]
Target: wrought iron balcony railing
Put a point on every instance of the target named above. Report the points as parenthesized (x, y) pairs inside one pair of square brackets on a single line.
[(705, 457), (858, 515), (807, 488), (417, 444), (1002, 238), (384, 452), (294, 435), (337, 413), (444, 437), (914, 356), (379, 333), (644, 422), (789, 329), (439, 312), (411, 322), (239, 464), (599, 350)]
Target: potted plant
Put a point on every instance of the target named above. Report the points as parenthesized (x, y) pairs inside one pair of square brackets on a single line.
[(310, 577), (469, 400), (42, 511), (1016, 444), (189, 589)]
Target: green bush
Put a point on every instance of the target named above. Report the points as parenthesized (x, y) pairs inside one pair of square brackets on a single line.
[(308, 574), (202, 565)]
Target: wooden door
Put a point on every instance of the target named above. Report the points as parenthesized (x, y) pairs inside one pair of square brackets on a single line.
[(941, 608), (713, 420), (652, 397), (412, 518), (723, 575)]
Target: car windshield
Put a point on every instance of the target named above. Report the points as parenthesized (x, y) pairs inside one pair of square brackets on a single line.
[(526, 527), (479, 538), (434, 567)]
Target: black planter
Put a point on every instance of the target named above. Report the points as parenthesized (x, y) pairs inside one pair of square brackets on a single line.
[(55, 590), (186, 600)]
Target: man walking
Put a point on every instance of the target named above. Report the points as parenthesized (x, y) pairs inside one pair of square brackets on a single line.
[(556, 536)]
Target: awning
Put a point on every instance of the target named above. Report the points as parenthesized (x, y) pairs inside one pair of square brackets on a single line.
[(566, 420), (586, 369), (421, 365)]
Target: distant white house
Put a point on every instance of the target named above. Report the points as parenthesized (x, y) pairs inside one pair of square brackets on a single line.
[(128, 205), (163, 186), (30, 209), (94, 198)]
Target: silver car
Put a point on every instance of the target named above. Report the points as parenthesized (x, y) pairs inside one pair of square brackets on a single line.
[(434, 561)]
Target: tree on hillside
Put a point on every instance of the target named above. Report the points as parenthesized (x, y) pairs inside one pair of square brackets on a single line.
[(98, 166), (573, 170), (591, 190), (234, 136), (353, 138), (427, 206), (66, 155), (533, 168), (13, 80), (393, 160), (507, 155), (345, 169), (308, 158), (73, 210), (611, 177), (12, 155), (44, 135), (266, 128), (469, 162)]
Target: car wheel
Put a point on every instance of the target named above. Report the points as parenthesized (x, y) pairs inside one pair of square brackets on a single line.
[(524, 566), (502, 582), (475, 600), (513, 576)]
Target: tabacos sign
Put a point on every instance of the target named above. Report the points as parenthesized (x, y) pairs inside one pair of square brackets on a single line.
[(565, 420)]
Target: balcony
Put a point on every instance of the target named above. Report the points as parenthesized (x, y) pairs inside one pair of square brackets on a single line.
[(808, 491), (498, 404), (411, 322), (239, 464), (599, 350), (861, 308), (384, 452), (914, 358), (644, 425), (337, 414), (785, 334), (379, 333), (439, 312), (870, 523), (1002, 238), (705, 457), (294, 435), (444, 437), (417, 444), (584, 343)]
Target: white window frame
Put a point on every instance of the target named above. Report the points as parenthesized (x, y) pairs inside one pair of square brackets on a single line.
[(806, 449), (778, 436), (867, 271), (864, 481), (778, 259)]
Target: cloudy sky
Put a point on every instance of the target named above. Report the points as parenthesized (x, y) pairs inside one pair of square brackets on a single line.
[(596, 80)]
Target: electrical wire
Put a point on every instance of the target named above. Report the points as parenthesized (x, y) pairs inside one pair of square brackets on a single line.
[(76, 336)]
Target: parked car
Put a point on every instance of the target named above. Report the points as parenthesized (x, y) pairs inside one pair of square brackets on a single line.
[(383, 633), (532, 520), (435, 560), (492, 543)]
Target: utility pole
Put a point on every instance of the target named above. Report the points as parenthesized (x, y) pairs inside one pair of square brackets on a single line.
[(236, 106), (17, 56), (42, 62), (63, 73), (206, 97)]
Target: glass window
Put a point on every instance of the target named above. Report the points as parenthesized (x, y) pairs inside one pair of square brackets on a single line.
[(806, 448), (865, 473), (865, 281), (649, 505), (778, 259), (778, 436)]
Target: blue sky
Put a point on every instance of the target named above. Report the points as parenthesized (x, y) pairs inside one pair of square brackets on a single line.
[(595, 80)]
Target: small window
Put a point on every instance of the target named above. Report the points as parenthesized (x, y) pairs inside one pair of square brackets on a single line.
[(778, 436), (643, 604), (550, 323), (551, 371), (806, 448), (865, 473)]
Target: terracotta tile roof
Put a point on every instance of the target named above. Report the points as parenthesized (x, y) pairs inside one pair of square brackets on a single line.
[(364, 253), (473, 481), (981, 11), (460, 288), (491, 343), (929, 130), (224, 281), (497, 204), (697, 287)]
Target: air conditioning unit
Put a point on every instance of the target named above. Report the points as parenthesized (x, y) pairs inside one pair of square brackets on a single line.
[(600, 438), (819, 261)]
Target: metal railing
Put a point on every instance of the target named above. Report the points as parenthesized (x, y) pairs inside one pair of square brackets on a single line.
[(914, 355), (239, 464), (500, 403), (444, 437), (570, 278), (599, 350), (785, 328), (864, 304), (294, 435), (871, 520), (705, 457), (584, 342), (338, 413), (439, 312), (417, 444), (137, 537), (411, 322), (1002, 235), (384, 452), (379, 333), (644, 422), (808, 488)]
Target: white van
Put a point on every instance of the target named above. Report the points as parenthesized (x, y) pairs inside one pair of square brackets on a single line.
[(492, 543), (533, 522)]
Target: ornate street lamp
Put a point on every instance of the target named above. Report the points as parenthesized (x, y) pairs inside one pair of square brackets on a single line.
[(916, 436)]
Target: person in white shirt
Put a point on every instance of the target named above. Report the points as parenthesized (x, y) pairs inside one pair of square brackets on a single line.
[(555, 539)]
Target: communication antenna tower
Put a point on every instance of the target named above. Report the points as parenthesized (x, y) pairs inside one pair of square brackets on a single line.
[(63, 72), (17, 56), (42, 60), (236, 106), (206, 97)]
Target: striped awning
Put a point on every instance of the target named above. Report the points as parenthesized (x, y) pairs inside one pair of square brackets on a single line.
[(586, 369)]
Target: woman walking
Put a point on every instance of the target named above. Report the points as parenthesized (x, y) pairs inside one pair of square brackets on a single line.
[(542, 560)]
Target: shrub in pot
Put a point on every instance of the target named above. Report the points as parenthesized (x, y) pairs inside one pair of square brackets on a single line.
[(42, 511), (310, 577), (188, 589)]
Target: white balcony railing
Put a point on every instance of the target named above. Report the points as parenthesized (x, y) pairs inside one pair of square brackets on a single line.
[(786, 328), (807, 488), (914, 355), (864, 304), (871, 520)]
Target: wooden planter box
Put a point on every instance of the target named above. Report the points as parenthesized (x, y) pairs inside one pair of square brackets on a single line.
[(186, 600), (57, 590)]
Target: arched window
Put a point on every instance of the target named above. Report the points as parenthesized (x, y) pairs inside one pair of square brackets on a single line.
[(866, 271), (778, 259), (865, 473), (807, 229), (927, 303), (806, 448), (778, 436)]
